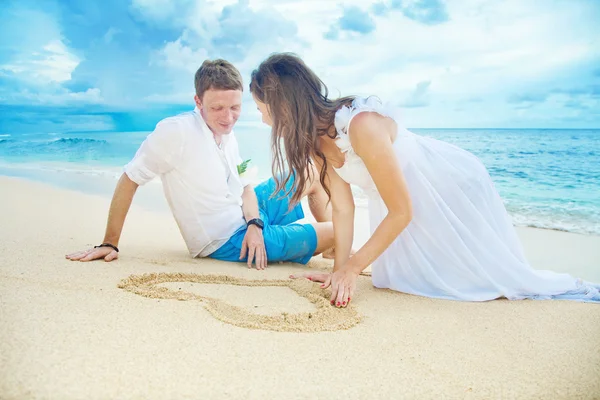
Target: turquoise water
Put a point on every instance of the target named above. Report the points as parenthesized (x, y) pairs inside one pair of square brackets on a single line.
[(547, 178)]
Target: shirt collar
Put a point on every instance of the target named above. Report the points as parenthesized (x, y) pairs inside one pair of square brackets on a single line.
[(206, 130)]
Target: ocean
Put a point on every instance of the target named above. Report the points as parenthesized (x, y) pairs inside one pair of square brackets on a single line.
[(547, 178)]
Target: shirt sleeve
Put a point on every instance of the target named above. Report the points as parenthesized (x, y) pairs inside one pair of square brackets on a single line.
[(159, 153)]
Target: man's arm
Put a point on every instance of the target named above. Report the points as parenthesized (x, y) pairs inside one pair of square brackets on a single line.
[(254, 242), (119, 207), (157, 155), (250, 203)]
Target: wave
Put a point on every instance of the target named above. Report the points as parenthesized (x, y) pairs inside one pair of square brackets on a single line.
[(574, 218), (554, 225), (74, 168), (69, 149), (565, 217), (76, 141), (67, 142), (64, 171)]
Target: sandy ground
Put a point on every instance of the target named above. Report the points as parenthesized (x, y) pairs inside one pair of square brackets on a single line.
[(157, 324)]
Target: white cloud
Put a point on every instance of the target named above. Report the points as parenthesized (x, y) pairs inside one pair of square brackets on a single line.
[(56, 97), (173, 98), (420, 96), (239, 31), (110, 34), (489, 50), (54, 63), (177, 55), (163, 12)]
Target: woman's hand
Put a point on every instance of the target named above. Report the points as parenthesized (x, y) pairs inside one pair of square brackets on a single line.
[(342, 283)]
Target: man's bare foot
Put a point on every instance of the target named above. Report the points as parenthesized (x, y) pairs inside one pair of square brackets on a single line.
[(330, 253)]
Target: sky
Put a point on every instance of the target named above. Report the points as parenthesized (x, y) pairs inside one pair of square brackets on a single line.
[(86, 65)]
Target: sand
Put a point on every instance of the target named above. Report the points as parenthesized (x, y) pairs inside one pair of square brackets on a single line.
[(323, 318), (157, 324)]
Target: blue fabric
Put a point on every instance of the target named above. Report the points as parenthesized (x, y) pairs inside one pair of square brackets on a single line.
[(285, 240)]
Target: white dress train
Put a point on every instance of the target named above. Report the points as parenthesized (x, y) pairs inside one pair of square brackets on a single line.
[(460, 244)]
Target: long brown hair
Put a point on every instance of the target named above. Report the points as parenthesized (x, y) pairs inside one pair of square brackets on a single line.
[(301, 112)]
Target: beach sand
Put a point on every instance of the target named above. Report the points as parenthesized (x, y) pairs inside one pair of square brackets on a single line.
[(157, 324)]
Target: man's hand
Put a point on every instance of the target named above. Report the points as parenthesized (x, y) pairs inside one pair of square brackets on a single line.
[(254, 246), (119, 207), (94, 254)]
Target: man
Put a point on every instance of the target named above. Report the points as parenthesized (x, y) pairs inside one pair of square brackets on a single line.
[(218, 213)]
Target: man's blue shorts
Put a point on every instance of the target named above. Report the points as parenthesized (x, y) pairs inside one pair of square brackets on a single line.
[(285, 240)]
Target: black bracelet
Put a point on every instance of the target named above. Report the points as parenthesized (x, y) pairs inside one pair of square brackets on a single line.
[(112, 246)]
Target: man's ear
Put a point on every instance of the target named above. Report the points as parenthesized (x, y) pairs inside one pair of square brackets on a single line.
[(198, 101)]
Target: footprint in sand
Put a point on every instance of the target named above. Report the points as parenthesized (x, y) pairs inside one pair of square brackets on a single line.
[(323, 316)]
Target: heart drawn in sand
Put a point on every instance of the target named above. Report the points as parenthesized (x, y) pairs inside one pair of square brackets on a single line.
[(325, 318)]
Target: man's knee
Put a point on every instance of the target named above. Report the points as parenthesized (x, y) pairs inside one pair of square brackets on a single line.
[(325, 236), (293, 242)]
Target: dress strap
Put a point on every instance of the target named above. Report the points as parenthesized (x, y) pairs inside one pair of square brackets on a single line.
[(344, 116)]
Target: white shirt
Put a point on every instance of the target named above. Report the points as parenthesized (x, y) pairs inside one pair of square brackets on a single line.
[(200, 181)]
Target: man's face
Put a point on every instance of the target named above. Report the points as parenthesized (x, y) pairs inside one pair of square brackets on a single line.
[(220, 109)]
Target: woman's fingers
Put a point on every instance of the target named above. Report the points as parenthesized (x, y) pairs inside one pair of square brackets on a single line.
[(315, 277), (327, 282), (342, 297), (341, 291), (335, 289)]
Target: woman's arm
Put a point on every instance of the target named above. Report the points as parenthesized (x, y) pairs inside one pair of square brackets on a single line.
[(342, 207), (371, 137)]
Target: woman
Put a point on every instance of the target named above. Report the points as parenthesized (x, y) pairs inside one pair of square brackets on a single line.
[(438, 227)]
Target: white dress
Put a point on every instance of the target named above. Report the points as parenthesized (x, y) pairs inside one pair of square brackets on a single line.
[(460, 244)]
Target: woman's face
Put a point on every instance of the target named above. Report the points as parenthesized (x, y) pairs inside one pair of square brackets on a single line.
[(264, 110)]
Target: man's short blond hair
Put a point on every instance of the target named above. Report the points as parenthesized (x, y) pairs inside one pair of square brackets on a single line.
[(218, 74)]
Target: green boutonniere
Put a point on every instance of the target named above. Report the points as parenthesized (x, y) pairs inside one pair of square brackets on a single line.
[(242, 167)]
